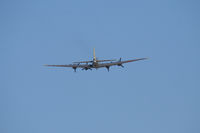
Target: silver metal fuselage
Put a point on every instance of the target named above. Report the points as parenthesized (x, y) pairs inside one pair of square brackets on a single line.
[(95, 64)]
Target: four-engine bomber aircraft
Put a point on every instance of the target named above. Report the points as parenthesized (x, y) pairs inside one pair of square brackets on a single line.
[(95, 63)]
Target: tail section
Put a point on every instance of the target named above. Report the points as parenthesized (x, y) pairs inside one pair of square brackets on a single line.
[(94, 56)]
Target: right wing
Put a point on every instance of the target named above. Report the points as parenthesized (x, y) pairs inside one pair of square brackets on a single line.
[(119, 63)]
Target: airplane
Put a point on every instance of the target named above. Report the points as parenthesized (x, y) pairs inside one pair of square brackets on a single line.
[(95, 63)]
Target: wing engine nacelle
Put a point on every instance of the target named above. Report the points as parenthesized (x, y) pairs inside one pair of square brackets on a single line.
[(74, 68), (108, 68), (120, 64)]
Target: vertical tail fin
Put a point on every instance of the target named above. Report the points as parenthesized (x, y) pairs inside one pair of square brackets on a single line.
[(94, 57)]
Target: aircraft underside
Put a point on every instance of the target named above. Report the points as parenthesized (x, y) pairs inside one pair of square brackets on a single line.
[(95, 63)]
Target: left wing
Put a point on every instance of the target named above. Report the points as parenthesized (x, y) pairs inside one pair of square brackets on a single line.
[(74, 66), (71, 65), (119, 63)]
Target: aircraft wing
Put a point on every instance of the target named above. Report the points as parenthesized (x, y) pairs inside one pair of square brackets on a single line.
[(119, 63), (71, 65)]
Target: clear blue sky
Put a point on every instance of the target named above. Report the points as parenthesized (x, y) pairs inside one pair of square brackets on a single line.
[(159, 95)]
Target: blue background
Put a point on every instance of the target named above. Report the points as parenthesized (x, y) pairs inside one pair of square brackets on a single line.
[(159, 95)]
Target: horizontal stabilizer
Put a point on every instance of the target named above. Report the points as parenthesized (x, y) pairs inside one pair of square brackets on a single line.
[(104, 60), (83, 62), (92, 61)]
